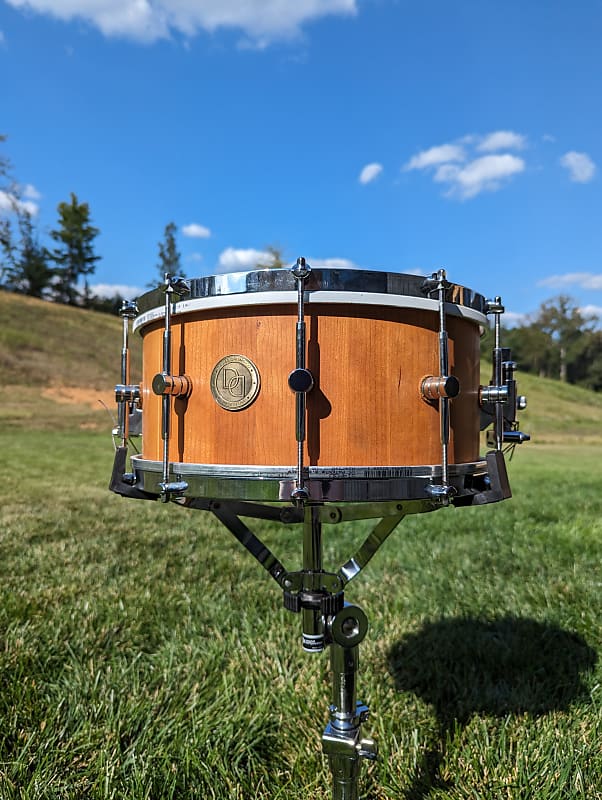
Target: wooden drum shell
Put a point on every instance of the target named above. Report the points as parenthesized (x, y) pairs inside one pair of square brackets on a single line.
[(366, 407)]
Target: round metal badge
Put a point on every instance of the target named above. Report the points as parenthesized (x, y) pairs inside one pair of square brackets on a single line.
[(235, 382)]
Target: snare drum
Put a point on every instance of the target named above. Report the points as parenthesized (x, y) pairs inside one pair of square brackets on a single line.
[(372, 338)]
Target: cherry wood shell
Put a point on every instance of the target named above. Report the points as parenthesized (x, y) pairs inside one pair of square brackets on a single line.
[(365, 409)]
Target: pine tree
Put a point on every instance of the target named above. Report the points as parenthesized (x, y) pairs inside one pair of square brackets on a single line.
[(27, 270), (169, 257), (74, 256)]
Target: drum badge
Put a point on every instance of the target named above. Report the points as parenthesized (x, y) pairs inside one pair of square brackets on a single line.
[(235, 382)]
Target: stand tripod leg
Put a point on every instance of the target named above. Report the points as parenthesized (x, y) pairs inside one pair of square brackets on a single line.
[(342, 741)]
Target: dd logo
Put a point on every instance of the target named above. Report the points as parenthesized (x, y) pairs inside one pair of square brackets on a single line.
[(235, 382)]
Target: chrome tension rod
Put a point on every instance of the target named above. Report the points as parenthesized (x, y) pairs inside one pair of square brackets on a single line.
[(300, 380), (442, 387), (167, 386)]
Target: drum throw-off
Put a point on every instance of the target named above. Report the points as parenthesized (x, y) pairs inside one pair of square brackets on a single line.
[(173, 385), (433, 387)]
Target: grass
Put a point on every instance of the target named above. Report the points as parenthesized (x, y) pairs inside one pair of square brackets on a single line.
[(145, 655)]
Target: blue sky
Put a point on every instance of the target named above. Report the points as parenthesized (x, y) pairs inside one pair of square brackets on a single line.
[(385, 134)]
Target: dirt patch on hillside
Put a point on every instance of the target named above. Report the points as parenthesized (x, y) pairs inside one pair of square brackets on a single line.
[(72, 395)]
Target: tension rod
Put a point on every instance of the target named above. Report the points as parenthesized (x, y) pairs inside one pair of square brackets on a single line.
[(173, 286), (300, 380), (449, 386)]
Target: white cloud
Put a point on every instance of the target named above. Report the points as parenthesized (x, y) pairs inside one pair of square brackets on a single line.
[(513, 319), (263, 21), (502, 140), (467, 173), (591, 311), (441, 154), (30, 192), (483, 174), (370, 172), (196, 231), (2, 38), (111, 289), (580, 166), (9, 203), (240, 260), (332, 263), (583, 280)]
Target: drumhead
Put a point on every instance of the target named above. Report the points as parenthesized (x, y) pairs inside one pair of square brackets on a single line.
[(274, 286)]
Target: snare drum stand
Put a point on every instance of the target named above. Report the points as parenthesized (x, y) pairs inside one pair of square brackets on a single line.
[(326, 618), (313, 592)]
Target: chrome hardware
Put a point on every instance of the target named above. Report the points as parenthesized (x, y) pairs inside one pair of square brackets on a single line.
[(174, 385), (371, 545), (125, 404), (349, 626), (496, 308), (127, 394), (493, 394), (434, 388), (499, 400), (300, 380), (342, 741), (441, 493), (173, 286), (439, 285)]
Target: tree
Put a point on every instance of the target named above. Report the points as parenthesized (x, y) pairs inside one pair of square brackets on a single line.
[(27, 270), (169, 257), (7, 204), (74, 256), (566, 326), (275, 259), (558, 341)]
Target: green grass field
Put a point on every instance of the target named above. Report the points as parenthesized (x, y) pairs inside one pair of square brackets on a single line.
[(144, 654)]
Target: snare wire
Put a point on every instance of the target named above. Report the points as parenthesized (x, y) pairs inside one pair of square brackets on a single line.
[(114, 425)]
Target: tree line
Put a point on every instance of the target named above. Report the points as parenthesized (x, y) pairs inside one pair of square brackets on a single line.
[(558, 341), (61, 270)]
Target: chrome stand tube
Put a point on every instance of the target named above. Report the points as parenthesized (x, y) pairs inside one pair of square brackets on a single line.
[(342, 741), (313, 625)]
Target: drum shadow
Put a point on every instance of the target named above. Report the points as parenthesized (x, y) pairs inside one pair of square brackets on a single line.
[(318, 405), (497, 667)]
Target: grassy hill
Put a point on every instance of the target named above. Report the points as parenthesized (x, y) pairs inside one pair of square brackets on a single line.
[(61, 363), (128, 627)]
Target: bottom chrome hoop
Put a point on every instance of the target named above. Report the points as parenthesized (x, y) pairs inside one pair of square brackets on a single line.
[(324, 484)]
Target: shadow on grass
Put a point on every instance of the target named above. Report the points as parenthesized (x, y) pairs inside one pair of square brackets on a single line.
[(496, 667)]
